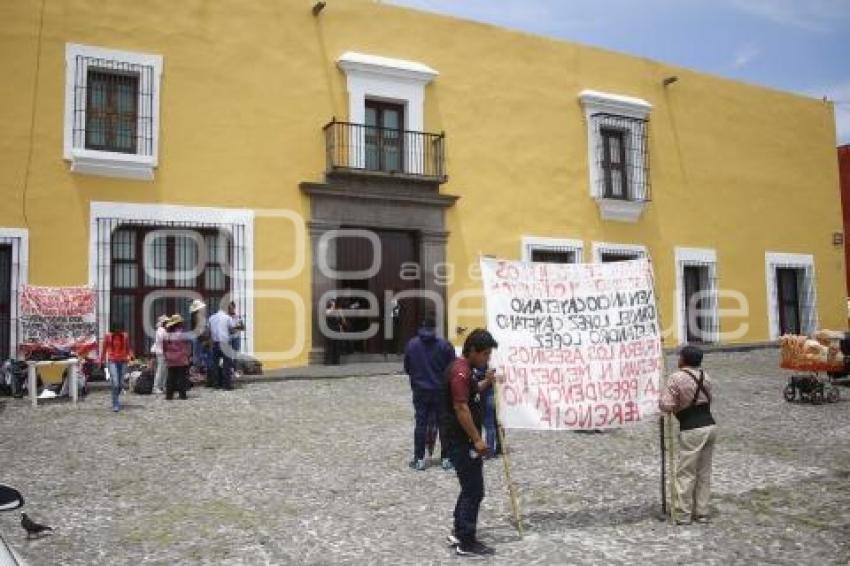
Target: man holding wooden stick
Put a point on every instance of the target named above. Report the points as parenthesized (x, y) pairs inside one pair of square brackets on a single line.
[(462, 420), (688, 396)]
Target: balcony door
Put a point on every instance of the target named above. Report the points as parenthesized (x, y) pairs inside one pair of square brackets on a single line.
[(384, 136)]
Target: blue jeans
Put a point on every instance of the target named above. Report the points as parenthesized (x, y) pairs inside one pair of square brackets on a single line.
[(222, 366), (426, 411), (489, 402), (196, 353), (116, 380), (470, 474), (200, 355)]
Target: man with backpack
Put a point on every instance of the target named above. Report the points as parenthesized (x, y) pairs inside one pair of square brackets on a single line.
[(426, 358), (688, 396), (463, 419)]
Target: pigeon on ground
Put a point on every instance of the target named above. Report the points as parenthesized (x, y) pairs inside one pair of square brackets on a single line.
[(32, 528)]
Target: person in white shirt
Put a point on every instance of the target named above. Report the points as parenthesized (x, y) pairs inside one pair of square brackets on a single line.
[(156, 350), (222, 326)]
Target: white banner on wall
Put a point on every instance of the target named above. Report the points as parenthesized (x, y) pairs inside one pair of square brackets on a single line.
[(579, 344)]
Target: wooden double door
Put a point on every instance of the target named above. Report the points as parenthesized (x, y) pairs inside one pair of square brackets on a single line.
[(398, 271)]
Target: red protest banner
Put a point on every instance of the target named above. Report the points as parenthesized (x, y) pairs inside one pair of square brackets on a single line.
[(58, 318)]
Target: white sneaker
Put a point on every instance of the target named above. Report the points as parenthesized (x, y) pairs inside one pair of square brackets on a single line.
[(158, 391)]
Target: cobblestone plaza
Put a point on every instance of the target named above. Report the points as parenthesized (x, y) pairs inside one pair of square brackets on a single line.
[(316, 472)]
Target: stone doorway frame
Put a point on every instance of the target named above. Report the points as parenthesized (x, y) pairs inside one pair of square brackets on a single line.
[(379, 204)]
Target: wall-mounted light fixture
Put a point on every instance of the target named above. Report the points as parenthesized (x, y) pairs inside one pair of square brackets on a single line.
[(318, 7), (838, 238), (669, 80)]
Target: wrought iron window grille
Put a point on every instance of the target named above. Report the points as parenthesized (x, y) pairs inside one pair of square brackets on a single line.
[(113, 106), (621, 154), (126, 272)]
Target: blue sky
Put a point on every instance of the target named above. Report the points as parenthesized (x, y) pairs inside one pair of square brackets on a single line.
[(795, 45)]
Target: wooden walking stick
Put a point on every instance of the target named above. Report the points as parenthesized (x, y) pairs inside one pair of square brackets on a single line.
[(663, 467), (668, 448), (671, 448), (506, 459), (507, 463)]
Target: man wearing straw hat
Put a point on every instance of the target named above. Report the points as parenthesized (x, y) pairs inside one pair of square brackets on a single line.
[(177, 351)]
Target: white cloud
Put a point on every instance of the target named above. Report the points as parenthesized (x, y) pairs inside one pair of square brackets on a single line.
[(819, 16), (745, 55)]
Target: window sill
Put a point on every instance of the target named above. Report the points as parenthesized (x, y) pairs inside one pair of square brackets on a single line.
[(111, 164), (620, 210)]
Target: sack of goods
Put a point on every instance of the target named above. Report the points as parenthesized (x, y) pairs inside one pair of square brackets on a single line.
[(824, 348), (249, 366), (142, 382)]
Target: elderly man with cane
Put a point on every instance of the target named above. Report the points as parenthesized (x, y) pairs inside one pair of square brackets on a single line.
[(688, 396)]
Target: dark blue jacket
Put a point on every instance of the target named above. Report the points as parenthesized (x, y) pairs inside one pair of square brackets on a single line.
[(426, 358)]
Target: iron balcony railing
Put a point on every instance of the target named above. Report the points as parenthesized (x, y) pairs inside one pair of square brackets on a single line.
[(371, 149)]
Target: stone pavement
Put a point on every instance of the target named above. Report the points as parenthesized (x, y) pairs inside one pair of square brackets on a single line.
[(315, 472), (323, 372)]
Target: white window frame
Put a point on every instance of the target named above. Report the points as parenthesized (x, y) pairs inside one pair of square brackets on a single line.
[(168, 213), (109, 163), (595, 102), (19, 239), (371, 77), (599, 248), (699, 257), (808, 312), (533, 243)]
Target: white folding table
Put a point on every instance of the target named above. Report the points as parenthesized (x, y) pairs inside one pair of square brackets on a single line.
[(72, 363)]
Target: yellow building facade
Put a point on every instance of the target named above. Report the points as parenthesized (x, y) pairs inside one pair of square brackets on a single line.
[(230, 142)]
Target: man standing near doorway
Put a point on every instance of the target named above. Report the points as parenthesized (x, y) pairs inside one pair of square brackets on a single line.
[(394, 308), (222, 326), (426, 359), (200, 329), (462, 430)]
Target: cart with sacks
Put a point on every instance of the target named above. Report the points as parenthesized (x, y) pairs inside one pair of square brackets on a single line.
[(818, 364)]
